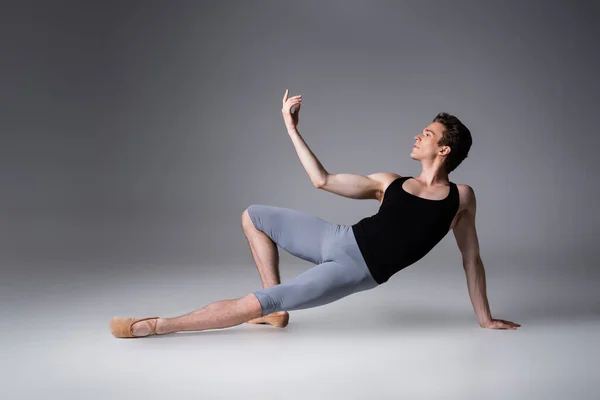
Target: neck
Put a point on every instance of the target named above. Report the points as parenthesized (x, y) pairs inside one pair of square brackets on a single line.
[(433, 175)]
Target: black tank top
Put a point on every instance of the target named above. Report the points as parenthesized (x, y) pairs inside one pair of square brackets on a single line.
[(404, 230)]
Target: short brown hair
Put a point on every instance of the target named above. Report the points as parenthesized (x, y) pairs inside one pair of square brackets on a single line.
[(457, 136)]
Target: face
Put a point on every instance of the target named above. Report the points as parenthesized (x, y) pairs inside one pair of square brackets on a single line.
[(426, 143)]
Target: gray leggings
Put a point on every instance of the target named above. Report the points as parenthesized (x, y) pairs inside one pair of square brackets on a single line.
[(340, 271)]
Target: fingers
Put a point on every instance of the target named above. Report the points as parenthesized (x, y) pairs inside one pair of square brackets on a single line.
[(286, 99), (503, 324), (507, 325), (292, 103)]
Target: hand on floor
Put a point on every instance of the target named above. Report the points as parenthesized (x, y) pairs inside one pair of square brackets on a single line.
[(500, 324)]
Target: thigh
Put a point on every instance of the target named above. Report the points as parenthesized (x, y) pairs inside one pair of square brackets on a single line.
[(319, 285), (299, 233)]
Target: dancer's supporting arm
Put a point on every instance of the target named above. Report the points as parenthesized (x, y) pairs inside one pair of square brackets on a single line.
[(465, 233)]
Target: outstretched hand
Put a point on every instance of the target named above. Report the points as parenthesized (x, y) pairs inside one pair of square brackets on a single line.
[(500, 324), (291, 116)]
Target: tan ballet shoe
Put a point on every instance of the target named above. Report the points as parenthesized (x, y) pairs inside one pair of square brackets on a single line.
[(277, 319), (121, 327)]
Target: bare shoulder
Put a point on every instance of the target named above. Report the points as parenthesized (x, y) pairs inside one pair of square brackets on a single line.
[(384, 179), (466, 195)]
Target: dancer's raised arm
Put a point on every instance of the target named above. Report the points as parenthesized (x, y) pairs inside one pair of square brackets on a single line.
[(290, 110), (347, 185)]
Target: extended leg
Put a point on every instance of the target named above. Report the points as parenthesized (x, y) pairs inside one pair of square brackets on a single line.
[(221, 314), (266, 227)]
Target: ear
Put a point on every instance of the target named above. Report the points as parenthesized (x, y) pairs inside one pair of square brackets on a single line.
[(444, 151)]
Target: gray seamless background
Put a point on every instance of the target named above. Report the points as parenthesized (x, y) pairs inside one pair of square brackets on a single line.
[(138, 132)]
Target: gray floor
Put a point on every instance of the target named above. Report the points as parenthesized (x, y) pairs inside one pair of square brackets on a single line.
[(415, 337)]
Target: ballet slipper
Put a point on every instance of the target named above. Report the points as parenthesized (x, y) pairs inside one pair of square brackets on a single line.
[(276, 319), (121, 327)]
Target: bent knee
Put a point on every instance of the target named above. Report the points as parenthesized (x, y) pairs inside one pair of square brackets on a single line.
[(246, 219)]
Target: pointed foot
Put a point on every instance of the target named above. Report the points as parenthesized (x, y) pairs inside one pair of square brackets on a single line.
[(121, 327)]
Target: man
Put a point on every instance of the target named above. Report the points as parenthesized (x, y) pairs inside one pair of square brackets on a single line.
[(415, 214)]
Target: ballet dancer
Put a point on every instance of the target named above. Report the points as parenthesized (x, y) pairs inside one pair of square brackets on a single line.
[(414, 215)]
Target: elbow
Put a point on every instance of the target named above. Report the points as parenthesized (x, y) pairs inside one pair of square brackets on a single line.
[(319, 183)]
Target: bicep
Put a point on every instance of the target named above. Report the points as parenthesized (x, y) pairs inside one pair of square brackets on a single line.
[(354, 186)]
